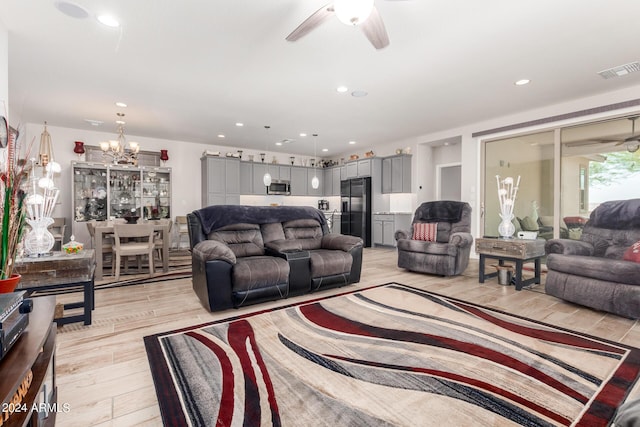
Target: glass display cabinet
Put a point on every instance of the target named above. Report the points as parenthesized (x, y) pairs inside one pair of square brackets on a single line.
[(156, 193), (102, 192), (90, 192)]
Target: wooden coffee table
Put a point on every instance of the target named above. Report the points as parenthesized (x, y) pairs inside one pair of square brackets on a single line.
[(517, 251)]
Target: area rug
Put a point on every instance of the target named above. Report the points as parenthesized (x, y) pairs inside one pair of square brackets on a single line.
[(389, 355)]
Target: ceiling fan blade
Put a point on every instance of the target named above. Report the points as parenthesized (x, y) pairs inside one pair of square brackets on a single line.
[(312, 22), (374, 30)]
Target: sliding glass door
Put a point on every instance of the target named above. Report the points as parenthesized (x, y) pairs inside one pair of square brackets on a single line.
[(564, 174)]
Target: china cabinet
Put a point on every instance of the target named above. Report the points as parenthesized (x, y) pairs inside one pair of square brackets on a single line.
[(102, 192)]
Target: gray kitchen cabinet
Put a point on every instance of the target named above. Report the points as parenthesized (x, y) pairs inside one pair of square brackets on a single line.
[(343, 172), (385, 226), (358, 169), (364, 168), (259, 169), (315, 191), (279, 173), (336, 174), (220, 180), (246, 178), (327, 178), (299, 181), (396, 174)]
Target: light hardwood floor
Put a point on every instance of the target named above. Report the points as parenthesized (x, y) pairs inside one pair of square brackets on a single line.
[(102, 369)]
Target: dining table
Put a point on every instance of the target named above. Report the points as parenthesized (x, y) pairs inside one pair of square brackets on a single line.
[(104, 228)]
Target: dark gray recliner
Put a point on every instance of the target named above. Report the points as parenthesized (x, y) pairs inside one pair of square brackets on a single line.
[(591, 271), (449, 254)]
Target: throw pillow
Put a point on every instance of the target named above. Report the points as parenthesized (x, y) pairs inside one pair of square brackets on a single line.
[(427, 231), (633, 253), (529, 224)]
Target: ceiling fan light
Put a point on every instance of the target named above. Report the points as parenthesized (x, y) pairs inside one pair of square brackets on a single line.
[(353, 12)]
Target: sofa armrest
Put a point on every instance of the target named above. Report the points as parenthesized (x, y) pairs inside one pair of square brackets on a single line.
[(284, 245), (402, 234), (340, 242), (568, 247), (461, 239), (210, 250)]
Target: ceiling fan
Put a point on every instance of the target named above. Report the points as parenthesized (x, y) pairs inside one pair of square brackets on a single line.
[(362, 13), (632, 142)]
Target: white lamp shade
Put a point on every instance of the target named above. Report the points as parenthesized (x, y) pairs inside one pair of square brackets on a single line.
[(353, 12), (266, 179), (315, 182)]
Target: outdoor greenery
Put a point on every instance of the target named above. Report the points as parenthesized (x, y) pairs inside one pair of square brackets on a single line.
[(618, 165)]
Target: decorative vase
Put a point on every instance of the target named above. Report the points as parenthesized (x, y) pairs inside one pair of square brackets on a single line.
[(10, 284), (506, 227), (164, 156), (39, 240)]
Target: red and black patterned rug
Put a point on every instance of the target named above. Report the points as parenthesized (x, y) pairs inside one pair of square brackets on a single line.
[(387, 355)]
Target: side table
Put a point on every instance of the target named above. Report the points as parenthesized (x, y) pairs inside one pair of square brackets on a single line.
[(518, 251), (61, 271)]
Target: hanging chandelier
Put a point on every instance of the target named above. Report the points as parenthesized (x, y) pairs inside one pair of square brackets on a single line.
[(118, 150)]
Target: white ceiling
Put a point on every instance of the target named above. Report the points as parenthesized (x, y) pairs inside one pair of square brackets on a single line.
[(190, 69)]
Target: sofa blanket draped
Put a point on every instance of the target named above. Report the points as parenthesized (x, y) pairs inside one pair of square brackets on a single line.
[(218, 216), (439, 211)]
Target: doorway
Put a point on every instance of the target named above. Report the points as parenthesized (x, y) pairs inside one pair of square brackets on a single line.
[(449, 181)]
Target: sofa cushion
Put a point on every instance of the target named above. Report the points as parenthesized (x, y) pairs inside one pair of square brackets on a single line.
[(272, 231), (302, 229), (632, 253), (326, 262), (615, 252), (210, 250), (284, 245), (259, 272), (607, 269), (433, 248), (243, 239), (426, 231), (529, 224)]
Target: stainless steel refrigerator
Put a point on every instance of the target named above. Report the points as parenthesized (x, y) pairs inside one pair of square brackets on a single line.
[(356, 208)]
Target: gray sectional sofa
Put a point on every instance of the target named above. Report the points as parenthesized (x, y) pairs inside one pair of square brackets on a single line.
[(244, 255)]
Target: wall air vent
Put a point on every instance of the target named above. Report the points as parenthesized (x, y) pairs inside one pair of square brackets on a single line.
[(621, 70)]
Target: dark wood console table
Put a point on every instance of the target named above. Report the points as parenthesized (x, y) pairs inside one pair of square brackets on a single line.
[(33, 352)]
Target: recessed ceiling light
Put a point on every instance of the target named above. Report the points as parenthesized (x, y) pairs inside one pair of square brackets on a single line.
[(109, 21), (121, 105), (522, 82), (94, 122), (342, 89), (325, 149), (278, 143), (220, 135), (352, 142), (359, 93), (303, 134), (71, 9), (120, 122), (239, 124)]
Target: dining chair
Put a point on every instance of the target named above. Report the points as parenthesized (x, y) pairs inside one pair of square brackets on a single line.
[(107, 241), (132, 239), (158, 238), (183, 229), (57, 229)]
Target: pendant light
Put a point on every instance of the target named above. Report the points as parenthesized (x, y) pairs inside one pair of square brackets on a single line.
[(266, 179), (315, 182)]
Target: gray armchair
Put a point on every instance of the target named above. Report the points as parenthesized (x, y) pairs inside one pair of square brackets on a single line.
[(448, 255), (591, 271)]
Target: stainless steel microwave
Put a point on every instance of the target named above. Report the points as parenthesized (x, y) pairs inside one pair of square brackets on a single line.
[(279, 187)]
